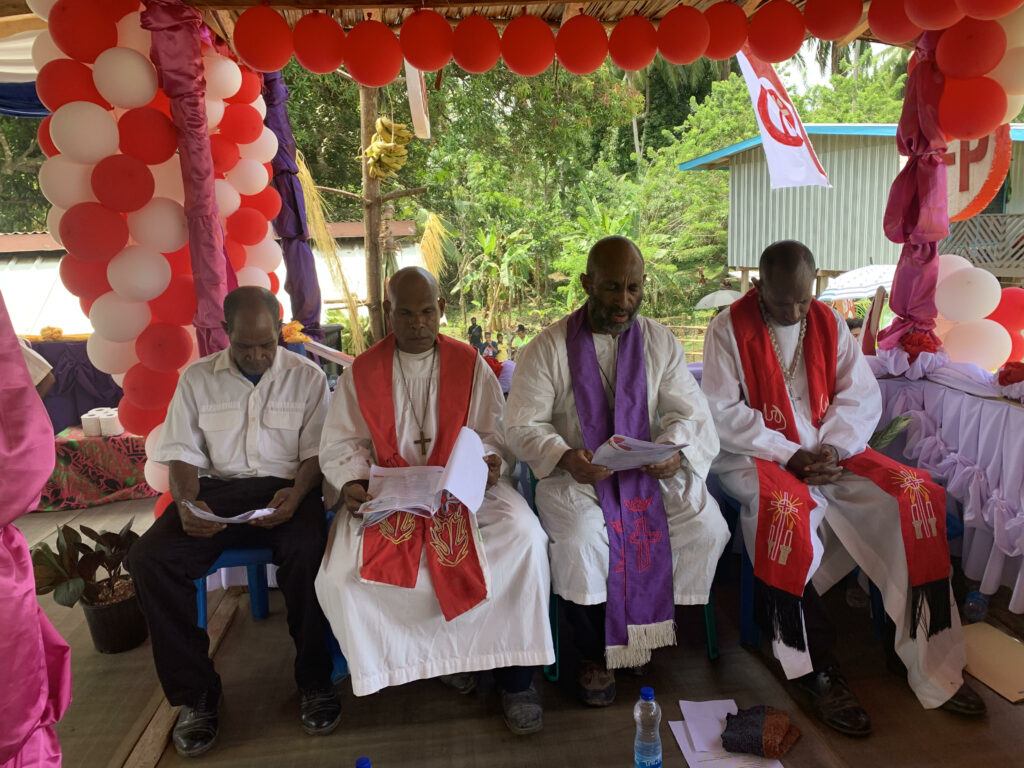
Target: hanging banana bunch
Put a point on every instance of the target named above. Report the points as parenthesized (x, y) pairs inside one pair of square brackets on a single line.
[(387, 152)]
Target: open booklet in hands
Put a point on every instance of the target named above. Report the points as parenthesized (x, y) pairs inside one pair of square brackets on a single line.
[(245, 517), (418, 490), (619, 452)]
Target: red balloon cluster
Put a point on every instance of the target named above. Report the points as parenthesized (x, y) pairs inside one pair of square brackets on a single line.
[(581, 44), (633, 43), (683, 35), (528, 45), (263, 39), (147, 134), (776, 31), (83, 29), (64, 80), (372, 53), (476, 45), (427, 38), (319, 43), (1010, 315)]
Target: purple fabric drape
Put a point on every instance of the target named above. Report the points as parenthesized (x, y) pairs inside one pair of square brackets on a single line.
[(79, 386), (176, 52), (301, 281), (917, 214)]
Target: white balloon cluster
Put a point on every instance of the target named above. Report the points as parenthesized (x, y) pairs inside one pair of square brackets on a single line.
[(965, 296), (1010, 71)]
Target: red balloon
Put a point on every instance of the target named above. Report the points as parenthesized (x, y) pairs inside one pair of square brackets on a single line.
[(528, 45), (933, 14), (971, 48), (86, 304), (581, 44), (180, 261), (426, 40), (372, 54), (263, 39), (224, 152), (319, 43), (43, 137), (1010, 312), (122, 183), (164, 347), (1016, 347), (163, 501), (267, 202), (177, 304), (832, 19), (85, 279), (888, 20), (968, 109), (727, 25), (235, 253), (776, 31), (247, 226), (476, 45), (269, 168), (275, 286), (252, 85), (160, 102), (148, 389), (984, 9), (147, 134), (139, 421), (633, 43), (64, 80), (83, 29), (683, 35), (241, 123), (93, 232), (121, 8)]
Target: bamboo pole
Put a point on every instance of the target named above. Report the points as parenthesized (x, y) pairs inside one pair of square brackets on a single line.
[(368, 98)]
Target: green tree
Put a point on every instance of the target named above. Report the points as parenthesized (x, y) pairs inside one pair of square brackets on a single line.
[(24, 208)]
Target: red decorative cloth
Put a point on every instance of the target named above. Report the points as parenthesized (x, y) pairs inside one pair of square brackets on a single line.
[(1011, 373)]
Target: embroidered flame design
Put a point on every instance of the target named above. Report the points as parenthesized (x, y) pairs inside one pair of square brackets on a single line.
[(922, 514), (785, 509), (449, 533), (398, 528), (774, 418)]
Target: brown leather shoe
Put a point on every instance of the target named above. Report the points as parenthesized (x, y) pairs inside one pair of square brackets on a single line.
[(596, 685), (965, 702), (834, 702)]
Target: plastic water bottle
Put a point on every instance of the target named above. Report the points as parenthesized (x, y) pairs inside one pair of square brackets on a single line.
[(975, 606), (363, 762), (647, 747)]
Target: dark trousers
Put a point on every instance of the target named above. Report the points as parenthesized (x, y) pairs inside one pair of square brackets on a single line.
[(514, 679), (821, 633), (166, 560), (587, 622)]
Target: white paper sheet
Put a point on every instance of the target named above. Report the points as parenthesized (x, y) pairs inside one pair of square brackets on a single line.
[(245, 517), (705, 721), (620, 452), (718, 758)]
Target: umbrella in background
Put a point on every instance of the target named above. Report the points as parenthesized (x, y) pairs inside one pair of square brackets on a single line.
[(860, 283), (718, 299)]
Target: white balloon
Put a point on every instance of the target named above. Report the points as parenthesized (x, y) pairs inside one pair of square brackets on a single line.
[(214, 113), (167, 179), (124, 77), (263, 149), (1014, 104), (265, 255), (223, 77), (260, 105), (157, 476), (53, 218), (160, 224), (967, 295), (65, 183), (1010, 71), (117, 319), (41, 8), (119, 377), (153, 439), (84, 131), (228, 199), (943, 326), (111, 357), (950, 263), (44, 50), (253, 276), (138, 273), (248, 177), (130, 34), (1013, 23), (982, 342)]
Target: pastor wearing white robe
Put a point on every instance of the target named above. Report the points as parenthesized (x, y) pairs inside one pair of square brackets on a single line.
[(391, 635), (855, 523), (542, 424)]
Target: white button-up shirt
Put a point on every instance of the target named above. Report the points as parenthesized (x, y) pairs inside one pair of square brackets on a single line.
[(221, 423)]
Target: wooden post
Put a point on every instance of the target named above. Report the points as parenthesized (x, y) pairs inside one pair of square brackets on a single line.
[(371, 215), (744, 280)]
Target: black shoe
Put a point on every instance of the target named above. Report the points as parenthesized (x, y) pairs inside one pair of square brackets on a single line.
[(196, 728), (834, 703), (320, 710), (965, 702)]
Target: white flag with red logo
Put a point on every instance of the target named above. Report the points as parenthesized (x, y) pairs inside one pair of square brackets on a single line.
[(792, 161)]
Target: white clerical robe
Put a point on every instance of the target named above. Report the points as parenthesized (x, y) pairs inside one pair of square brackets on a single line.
[(542, 424), (391, 635), (855, 522)]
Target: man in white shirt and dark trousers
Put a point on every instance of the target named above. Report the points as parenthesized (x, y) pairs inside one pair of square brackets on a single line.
[(242, 433)]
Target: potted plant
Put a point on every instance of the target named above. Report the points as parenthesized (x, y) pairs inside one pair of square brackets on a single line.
[(73, 574)]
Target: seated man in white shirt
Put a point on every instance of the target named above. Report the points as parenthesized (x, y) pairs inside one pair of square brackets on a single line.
[(242, 433), (39, 369)]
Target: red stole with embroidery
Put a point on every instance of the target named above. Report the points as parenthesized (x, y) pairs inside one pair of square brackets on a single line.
[(783, 547), (392, 548)]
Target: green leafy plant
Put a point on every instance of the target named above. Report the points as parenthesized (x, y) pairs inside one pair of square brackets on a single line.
[(884, 437), (72, 573)]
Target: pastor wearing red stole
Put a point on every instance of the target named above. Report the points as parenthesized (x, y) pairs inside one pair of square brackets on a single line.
[(795, 405)]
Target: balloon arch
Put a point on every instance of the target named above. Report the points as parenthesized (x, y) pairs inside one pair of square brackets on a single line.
[(161, 153)]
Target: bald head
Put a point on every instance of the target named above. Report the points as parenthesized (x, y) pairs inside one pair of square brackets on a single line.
[(614, 283), (613, 252), (786, 283), (252, 320), (415, 306), (785, 260)]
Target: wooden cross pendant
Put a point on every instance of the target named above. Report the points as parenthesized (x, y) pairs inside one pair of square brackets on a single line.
[(423, 442)]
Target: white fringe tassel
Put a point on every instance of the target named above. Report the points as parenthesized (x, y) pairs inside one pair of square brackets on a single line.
[(643, 638)]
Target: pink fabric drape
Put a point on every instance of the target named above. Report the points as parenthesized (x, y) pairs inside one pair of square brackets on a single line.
[(35, 662), (917, 214), (176, 52)]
